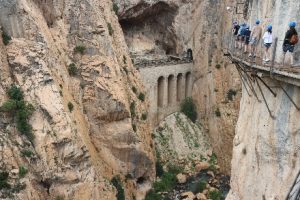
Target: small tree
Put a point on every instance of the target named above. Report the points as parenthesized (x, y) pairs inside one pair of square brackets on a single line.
[(72, 69), (80, 49), (188, 107), (5, 38), (70, 106)]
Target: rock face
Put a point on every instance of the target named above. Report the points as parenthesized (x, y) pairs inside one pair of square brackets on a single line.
[(77, 152)]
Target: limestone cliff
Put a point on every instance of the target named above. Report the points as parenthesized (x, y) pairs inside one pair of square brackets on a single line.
[(265, 160), (86, 125)]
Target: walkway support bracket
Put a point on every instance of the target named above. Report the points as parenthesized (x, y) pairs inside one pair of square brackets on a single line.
[(289, 97)]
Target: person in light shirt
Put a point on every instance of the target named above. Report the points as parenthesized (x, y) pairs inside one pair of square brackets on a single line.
[(254, 38), (267, 39)]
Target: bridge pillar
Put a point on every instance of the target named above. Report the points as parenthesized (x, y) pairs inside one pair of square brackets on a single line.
[(165, 96)]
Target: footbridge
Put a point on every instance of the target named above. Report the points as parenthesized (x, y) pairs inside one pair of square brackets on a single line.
[(167, 83)]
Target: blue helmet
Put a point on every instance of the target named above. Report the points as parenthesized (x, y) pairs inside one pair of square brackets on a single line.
[(292, 24), (257, 21), (269, 27)]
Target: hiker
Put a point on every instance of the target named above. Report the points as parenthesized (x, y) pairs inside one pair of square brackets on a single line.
[(235, 31), (241, 35), (290, 40), (254, 38), (267, 39), (247, 34)]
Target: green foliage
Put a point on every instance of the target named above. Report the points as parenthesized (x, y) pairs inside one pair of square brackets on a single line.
[(152, 195), (59, 198), (230, 94), (20, 110), (115, 8), (200, 187), (3, 180), (22, 171), (141, 97), (72, 69), (144, 116), (110, 29), (218, 66), (218, 112), (5, 38), (118, 185), (80, 49), (159, 168), (26, 153), (132, 109), (70, 106), (213, 159), (188, 107), (134, 90), (174, 169), (215, 195), (167, 182)]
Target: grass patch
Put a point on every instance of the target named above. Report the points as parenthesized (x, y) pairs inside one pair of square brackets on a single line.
[(188, 108), (159, 168), (152, 195), (215, 195), (72, 69), (59, 198), (218, 112), (144, 116), (218, 66), (110, 29), (70, 106), (200, 187), (141, 97), (3, 180), (26, 153), (20, 110), (132, 109), (22, 171), (174, 169), (230, 94), (167, 182), (5, 38), (118, 185), (80, 49)]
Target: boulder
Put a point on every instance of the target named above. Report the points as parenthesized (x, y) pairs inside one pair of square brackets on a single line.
[(201, 196), (181, 178)]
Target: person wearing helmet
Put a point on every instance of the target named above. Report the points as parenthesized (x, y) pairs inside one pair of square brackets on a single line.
[(235, 31), (267, 39), (290, 40), (247, 34), (254, 38), (241, 37)]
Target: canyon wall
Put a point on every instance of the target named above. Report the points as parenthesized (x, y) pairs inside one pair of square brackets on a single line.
[(266, 151), (87, 122)]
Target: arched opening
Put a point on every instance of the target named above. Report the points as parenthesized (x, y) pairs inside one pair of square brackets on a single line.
[(160, 91), (190, 54), (180, 88), (188, 82), (171, 89)]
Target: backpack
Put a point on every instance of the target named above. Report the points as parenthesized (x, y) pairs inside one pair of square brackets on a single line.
[(294, 39)]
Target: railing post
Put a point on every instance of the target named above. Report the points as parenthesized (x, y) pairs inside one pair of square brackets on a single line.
[(273, 56)]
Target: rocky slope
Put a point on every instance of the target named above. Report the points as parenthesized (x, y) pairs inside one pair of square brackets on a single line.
[(75, 152)]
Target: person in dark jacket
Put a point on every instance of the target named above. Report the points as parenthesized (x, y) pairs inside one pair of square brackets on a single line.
[(235, 31), (289, 42), (247, 38)]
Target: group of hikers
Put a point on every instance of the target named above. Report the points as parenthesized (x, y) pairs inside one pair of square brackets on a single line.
[(248, 40)]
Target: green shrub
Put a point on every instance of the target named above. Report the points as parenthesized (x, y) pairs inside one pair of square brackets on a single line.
[(110, 29), (124, 59), (115, 8), (132, 109), (188, 108), (118, 185), (59, 198), (144, 116), (20, 110), (218, 112), (3, 180), (174, 169), (200, 187), (22, 171), (141, 97), (167, 182), (159, 168), (70, 106), (152, 195), (134, 90), (5, 38), (230, 94), (218, 66), (72, 69), (26, 153), (80, 49), (215, 195)]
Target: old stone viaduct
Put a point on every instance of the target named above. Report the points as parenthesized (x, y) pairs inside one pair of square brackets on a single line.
[(167, 84)]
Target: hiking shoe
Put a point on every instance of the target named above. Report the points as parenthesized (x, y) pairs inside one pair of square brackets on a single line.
[(267, 60)]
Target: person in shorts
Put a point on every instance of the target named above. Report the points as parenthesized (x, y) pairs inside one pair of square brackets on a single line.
[(267, 39), (247, 39), (290, 40), (254, 38)]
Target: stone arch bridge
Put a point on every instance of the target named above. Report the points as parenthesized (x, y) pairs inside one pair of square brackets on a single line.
[(166, 86)]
